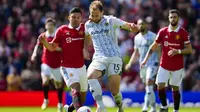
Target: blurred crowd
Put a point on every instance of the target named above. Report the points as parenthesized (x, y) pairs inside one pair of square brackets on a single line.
[(21, 21)]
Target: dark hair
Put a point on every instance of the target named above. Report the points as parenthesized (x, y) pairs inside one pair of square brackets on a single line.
[(97, 4), (50, 20), (75, 10), (174, 11)]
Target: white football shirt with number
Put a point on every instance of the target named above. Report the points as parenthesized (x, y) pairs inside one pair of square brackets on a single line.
[(142, 43), (104, 36)]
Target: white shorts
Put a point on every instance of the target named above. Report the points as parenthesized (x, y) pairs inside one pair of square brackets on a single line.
[(174, 77), (147, 73), (54, 73), (109, 65), (73, 75)]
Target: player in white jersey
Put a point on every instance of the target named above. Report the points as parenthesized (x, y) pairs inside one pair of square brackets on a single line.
[(142, 42), (101, 30)]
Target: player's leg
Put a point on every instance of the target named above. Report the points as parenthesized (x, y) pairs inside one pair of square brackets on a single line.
[(114, 71), (83, 85), (161, 81), (150, 81), (59, 87), (143, 74), (95, 71), (71, 79), (45, 74), (175, 81)]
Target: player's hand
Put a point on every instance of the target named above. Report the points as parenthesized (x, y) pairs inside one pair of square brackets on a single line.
[(86, 54), (172, 52), (42, 38), (142, 64), (33, 58), (127, 67), (134, 27)]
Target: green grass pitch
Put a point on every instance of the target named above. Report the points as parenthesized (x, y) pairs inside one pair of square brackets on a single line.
[(53, 109)]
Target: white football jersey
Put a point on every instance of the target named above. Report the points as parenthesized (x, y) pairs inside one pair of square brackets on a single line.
[(142, 43), (104, 36)]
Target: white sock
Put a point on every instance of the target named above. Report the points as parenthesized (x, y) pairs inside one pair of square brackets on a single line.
[(149, 98), (96, 91)]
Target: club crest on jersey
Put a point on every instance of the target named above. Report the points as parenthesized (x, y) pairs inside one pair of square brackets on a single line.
[(67, 33), (71, 75), (177, 37), (106, 24), (80, 32)]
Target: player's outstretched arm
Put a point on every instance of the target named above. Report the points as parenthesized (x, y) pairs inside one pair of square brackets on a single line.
[(152, 48), (134, 56), (130, 27)]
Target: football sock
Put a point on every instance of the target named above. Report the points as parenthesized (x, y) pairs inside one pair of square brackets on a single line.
[(71, 108), (152, 98), (59, 93), (96, 91), (76, 99), (162, 96), (46, 90), (118, 99), (176, 98)]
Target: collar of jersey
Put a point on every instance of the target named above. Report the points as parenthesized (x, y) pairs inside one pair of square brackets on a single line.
[(47, 34), (176, 30), (70, 27)]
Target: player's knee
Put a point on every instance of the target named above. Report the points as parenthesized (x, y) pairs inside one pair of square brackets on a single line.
[(75, 87), (161, 85), (75, 92), (149, 82), (175, 88), (58, 85)]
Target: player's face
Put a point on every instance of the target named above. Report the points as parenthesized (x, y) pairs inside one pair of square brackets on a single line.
[(95, 15), (141, 25), (75, 19), (173, 19), (49, 26)]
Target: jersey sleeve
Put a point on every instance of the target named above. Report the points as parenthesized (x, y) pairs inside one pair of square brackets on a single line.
[(135, 43), (159, 37), (117, 22), (86, 28), (186, 38)]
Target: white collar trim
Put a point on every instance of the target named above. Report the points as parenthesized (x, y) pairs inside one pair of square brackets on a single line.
[(49, 35), (176, 30), (69, 26)]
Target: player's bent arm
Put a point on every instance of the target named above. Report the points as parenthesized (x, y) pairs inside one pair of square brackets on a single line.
[(152, 48), (130, 27), (87, 41), (49, 45), (186, 50), (58, 49), (34, 54)]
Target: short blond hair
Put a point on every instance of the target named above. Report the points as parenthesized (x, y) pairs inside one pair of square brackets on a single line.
[(97, 4)]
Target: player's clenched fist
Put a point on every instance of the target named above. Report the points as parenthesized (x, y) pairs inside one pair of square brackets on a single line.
[(134, 27), (42, 38)]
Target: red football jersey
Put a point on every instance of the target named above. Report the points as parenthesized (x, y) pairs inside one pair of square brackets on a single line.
[(172, 39), (53, 59), (71, 41)]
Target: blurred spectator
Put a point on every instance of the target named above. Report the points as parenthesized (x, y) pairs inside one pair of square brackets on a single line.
[(14, 81)]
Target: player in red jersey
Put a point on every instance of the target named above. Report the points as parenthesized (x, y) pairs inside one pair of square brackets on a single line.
[(175, 43), (50, 68), (71, 39)]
